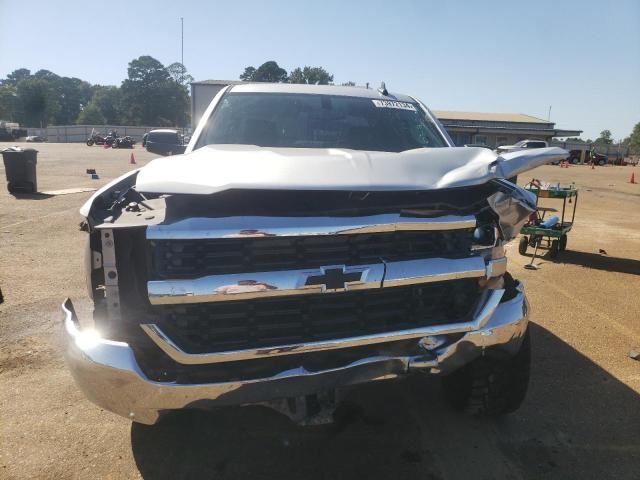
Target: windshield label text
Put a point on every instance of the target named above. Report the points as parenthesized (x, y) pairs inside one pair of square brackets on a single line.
[(394, 104)]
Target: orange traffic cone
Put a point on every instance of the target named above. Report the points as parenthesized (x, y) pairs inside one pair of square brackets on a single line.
[(632, 179), (132, 160)]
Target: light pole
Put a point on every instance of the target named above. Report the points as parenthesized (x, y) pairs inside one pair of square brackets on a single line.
[(182, 61)]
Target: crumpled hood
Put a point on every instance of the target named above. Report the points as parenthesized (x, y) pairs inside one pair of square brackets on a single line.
[(217, 168)]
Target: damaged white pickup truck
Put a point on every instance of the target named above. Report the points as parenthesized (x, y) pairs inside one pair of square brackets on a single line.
[(309, 239)]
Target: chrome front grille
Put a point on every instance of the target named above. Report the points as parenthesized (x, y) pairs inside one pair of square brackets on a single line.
[(246, 324), (196, 258), (224, 289)]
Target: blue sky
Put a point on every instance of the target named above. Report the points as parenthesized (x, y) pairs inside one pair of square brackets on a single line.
[(581, 57)]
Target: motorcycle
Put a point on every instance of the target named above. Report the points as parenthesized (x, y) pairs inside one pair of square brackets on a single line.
[(97, 139), (123, 142)]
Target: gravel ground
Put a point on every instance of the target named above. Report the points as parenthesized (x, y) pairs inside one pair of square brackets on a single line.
[(581, 418)]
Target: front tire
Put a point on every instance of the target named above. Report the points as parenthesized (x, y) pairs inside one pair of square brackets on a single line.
[(89, 143), (491, 386), (563, 243), (522, 245)]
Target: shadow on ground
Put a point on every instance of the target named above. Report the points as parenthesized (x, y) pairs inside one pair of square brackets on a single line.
[(578, 422), (31, 196), (599, 262)]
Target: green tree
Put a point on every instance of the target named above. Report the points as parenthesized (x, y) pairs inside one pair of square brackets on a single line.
[(91, 115), (248, 74), (310, 75), (604, 138), (16, 76), (108, 98), (45, 97), (151, 97), (39, 102), (267, 72), (179, 74), (633, 140), (8, 103), (72, 94)]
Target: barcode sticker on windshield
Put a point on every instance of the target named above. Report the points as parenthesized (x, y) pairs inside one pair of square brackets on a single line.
[(394, 104)]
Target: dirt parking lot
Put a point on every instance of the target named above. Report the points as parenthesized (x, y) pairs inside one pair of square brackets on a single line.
[(581, 419)]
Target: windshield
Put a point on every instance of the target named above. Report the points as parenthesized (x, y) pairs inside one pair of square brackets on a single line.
[(165, 137), (319, 121)]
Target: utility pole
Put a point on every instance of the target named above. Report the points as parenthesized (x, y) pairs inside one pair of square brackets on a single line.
[(182, 61), (549, 114)]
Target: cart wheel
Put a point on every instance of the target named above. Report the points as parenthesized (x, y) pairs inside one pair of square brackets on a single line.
[(522, 246), (555, 248), (563, 243)]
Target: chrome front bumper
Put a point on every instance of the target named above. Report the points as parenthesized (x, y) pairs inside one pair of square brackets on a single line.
[(108, 374)]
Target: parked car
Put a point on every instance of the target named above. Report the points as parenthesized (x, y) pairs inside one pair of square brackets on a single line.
[(310, 238), (522, 145), (590, 156), (479, 145), (35, 138), (10, 131), (165, 142)]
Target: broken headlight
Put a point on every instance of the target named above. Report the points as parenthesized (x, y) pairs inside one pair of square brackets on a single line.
[(485, 236)]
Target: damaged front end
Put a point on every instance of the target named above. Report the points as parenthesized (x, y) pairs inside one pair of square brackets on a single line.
[(254, 295)]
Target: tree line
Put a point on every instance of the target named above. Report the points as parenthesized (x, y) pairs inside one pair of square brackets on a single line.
[(272, 72), (152, 94), (632, 142)]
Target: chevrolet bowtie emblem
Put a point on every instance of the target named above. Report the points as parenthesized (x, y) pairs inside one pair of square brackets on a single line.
[(334, 278)]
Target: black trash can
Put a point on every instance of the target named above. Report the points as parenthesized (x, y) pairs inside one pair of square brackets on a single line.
[(20, 168)]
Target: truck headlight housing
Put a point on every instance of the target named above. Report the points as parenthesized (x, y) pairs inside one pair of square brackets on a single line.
[(484, 236)]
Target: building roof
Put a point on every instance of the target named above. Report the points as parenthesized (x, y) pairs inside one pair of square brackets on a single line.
[(488, 117)]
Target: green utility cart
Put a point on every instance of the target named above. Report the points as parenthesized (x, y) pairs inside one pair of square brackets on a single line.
[(552, 230)]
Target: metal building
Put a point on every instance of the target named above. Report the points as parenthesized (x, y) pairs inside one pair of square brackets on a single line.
[(201, 95), (495, 129)]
